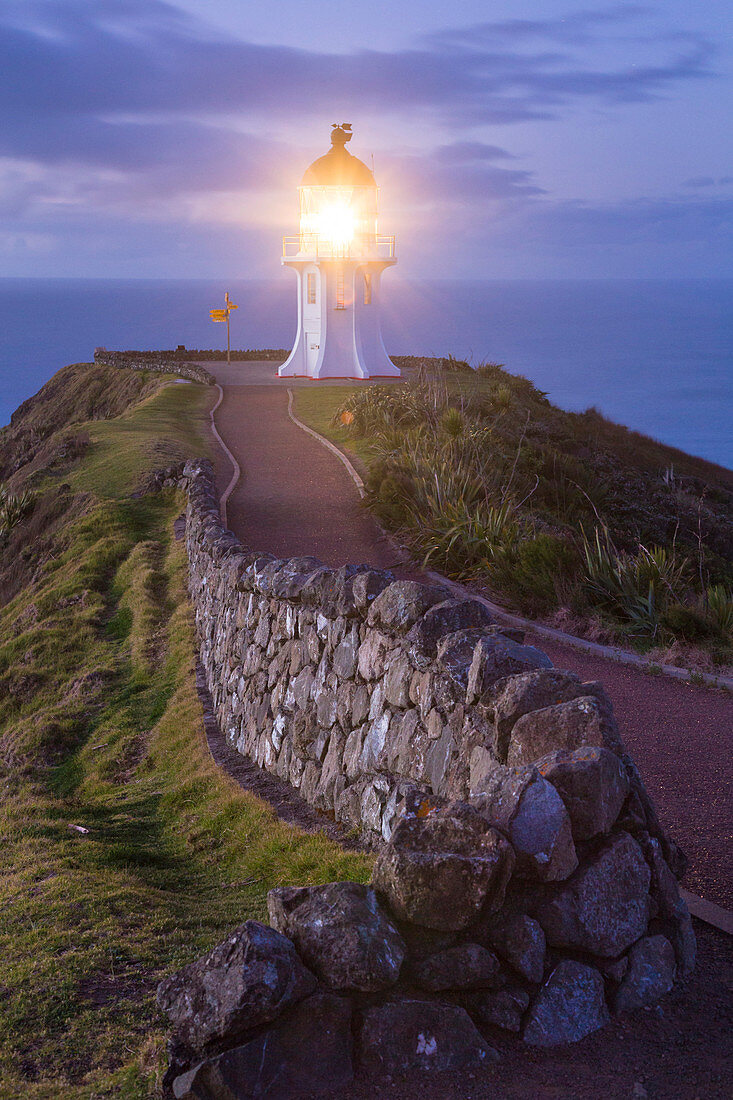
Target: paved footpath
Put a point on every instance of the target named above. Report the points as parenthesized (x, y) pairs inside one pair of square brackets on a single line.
[(295, 499)]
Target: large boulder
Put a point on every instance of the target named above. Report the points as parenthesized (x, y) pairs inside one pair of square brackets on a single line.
[(650, 974), (586, 720), (526, 692), (496, 657), (530, 812), (604, 907), (593, 785), (404, 1036), (247, 980), (444, 618), (438, 870), (400, 604), (569, 1006), (466, 966), (308, 1051), (341, 932)]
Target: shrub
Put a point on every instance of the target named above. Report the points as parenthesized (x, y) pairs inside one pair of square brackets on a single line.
[(686, 622), (719, 603), (541, 569), (465, 540), (501, 397), (458, 365), (452, 422), (13, 507), (491, 370), (637, 587)]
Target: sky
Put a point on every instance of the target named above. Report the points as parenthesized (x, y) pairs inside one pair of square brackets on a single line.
[(511, 139)]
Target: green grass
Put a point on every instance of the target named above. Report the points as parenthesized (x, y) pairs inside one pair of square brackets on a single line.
[(101, 728), (166, 428), (317, 407)]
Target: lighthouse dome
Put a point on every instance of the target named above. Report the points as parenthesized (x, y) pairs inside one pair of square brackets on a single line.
[(338, 168)]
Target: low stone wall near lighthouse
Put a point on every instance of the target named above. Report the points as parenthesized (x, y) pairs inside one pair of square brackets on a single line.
[(523, 884)]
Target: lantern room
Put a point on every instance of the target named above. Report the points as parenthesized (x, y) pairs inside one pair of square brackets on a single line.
[(339, 257), (338, 202)]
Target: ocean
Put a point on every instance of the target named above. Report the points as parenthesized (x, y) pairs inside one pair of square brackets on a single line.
[(654, 355)]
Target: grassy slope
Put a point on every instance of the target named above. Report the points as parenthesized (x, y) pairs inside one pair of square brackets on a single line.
[(318, 407), (101, 727), (569, 463)]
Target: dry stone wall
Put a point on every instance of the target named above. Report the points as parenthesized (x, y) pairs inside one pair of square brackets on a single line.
[(158, 362), (520, 857)]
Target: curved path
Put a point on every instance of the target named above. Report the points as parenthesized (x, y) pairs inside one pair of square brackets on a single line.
[(295, 498)]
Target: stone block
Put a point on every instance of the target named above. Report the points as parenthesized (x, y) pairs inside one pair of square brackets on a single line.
[(530, 812), (581, 721), (494, 658), (366, 586), (397, 681), (438, 870), (401, 604), (593, 785), (345, 656), (307, 1052), (467, 966), (342, 933), (649, 975), (520, 941), (443, 618), (247, 980), (403, 1036), (372, 654), (502, 1008), (604, 907), (374, 742), (570, 1005)]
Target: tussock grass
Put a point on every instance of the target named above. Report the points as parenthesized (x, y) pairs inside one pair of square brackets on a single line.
[(101, 728)]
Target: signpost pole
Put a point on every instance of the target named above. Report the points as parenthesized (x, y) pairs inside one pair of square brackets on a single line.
[(222, 315)]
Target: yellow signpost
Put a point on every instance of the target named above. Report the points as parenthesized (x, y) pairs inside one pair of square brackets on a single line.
[(221, 315)]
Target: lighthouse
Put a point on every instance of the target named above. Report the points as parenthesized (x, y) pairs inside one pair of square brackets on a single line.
[(338, 258)]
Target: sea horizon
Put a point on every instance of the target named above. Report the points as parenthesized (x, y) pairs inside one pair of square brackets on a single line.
[(655, 355)]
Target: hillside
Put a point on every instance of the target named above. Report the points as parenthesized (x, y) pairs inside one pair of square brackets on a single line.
[(124, 849), (567, 516)]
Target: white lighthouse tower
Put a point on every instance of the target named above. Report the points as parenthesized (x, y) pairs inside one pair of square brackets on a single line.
[(338, 257)]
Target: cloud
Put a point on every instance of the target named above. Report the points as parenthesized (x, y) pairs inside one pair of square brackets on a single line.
[(456, 174), (668, 237), (81, 60), (116, 113)]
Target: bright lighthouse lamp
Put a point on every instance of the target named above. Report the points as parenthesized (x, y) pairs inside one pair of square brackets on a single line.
[(339, 258), (334, 223)]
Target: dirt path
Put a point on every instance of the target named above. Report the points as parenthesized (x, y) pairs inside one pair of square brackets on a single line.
[(295, 498)]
